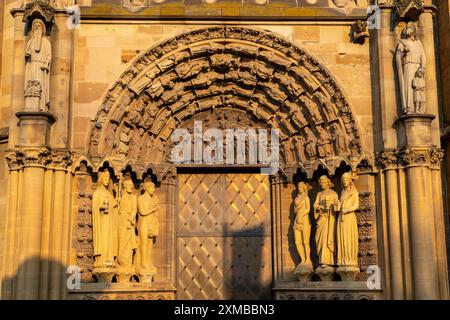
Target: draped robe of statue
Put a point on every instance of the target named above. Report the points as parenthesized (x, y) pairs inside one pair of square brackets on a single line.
[(104, 220), (347, 229), (410, 56), (148, 227), (326, 225), (38, 55), (126, 226), (302, 228)]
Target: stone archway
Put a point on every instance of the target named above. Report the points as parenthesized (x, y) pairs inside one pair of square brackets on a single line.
[(253, 71), (231, 77)]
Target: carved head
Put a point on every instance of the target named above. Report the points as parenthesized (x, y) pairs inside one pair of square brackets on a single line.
[(411, 31), (347, 179), (103, 178), (149, 187), (303, 188), (420, 73), (128, 186), (38, 27), (325, 182)]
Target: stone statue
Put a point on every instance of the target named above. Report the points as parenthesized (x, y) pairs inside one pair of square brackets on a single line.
[(347, 229), (148, 226), (104, 220), (302, 231), (325, 207), (420, 97), (38, 59), (410, 57), (127, 225)]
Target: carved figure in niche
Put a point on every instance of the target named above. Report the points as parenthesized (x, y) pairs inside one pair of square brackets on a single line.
[(325, 207), (302, 229), (420, 97), (325, 148), (288, 151), (311, 146), (104, 222), (38, 59), (299, 143), (313, 109), (347, 229), (127, 225), (148, 225), (410, 56), (330, 112), (340, 140), (125, 138)]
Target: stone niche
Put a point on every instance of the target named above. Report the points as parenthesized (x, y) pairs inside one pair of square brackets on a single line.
[(117, 286)]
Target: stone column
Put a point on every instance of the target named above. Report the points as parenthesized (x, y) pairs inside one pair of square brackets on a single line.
[(169, 186), (416, 156), (388, 162)]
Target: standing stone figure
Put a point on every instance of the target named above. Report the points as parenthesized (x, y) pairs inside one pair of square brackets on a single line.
[(127, 225), (302, 230), (420, 96), (347, 227), (38, 59), (104, 219), (148, 226), (325, 207), (410, 57)]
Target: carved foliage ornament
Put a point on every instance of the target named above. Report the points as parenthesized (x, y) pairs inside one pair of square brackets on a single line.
[(30, 157), (431, 157)]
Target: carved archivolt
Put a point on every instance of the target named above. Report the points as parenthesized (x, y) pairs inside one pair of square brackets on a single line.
[(226, 68)]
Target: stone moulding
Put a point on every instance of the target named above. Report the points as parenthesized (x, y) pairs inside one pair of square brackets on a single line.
[(230, 68)]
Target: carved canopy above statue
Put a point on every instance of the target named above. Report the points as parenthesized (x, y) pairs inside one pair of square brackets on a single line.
[(232, 70)]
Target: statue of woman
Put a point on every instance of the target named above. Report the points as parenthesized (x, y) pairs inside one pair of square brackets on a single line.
[(347, 224), (325, 206), (302, 227), (104, 223), (410, 56)]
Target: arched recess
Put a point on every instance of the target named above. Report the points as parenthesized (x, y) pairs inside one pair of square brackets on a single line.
[(256, 76)]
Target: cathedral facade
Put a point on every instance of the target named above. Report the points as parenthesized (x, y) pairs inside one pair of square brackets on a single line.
[(212, 149)]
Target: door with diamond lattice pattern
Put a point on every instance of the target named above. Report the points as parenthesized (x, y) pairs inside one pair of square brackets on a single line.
[(224, 237)]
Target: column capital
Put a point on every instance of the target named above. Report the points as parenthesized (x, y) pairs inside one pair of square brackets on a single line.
[(387, 160), (24, 157)]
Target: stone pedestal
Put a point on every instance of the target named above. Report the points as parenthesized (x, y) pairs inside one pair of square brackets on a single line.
[(104, 275), (35, 128), (325, 273), (124, 275), (146, 276), (348, 273), (415, 130), (304, 273)]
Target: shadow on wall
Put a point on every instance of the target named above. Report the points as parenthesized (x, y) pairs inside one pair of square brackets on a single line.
[(37, 279), (247, 265), (41, 279)]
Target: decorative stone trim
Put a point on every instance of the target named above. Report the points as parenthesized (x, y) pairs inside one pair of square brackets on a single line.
[(410, 157), (24, 157)]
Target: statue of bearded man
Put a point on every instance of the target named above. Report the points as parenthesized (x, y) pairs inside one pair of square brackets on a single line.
[(38, 57)]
